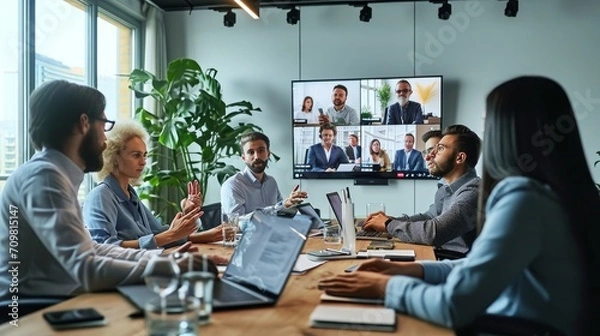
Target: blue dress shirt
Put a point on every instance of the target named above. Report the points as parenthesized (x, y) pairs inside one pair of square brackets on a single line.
[(243, 193), (525, 263)]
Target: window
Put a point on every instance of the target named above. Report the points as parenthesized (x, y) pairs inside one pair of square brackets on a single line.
[(66, 33), (9, 82)]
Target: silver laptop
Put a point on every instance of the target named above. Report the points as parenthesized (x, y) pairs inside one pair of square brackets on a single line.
[(259, 268), (336, 205), (346, 167)]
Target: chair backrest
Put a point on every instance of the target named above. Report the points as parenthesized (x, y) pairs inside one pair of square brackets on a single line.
[(212, 215)]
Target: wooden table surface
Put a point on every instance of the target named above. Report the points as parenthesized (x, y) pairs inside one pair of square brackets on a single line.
[(288, 317)]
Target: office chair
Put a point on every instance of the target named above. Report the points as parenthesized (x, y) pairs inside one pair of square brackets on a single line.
[(27, 305), (496, 325), (212, 215)]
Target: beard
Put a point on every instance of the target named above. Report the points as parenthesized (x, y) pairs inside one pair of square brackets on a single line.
[(402, 100), (257, 167), (338, 102), (440, 169), (91, 152)]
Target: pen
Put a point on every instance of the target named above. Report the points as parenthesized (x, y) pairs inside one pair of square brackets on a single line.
[(336, 251)]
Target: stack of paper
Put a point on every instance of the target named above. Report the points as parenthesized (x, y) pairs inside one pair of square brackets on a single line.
[(357, 318)]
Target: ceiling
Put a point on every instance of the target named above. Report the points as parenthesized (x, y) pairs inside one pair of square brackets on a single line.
[(188, 5)]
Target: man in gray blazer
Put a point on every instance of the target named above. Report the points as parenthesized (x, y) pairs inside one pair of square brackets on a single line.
[(450, 222)]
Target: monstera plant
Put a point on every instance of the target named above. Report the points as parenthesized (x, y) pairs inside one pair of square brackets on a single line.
[(193, 131)]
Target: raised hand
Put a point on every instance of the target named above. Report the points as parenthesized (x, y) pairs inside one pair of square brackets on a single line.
[(194, 199), (296, 197)]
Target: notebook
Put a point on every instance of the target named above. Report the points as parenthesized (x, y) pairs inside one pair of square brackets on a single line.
[(336, 205), (259, 267), (356, 318)]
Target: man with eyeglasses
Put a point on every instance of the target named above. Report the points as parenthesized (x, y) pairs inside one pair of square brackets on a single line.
[(404, 111), (450, 222), (53, 253)]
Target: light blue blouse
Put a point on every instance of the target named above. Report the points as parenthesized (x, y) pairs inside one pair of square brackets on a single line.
[(524, 263), (111, 217)]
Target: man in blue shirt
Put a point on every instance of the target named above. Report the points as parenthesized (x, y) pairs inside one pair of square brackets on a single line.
[(252, 188)]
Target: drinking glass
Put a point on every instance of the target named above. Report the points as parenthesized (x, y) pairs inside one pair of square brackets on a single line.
[(230, 227), (162, 276)]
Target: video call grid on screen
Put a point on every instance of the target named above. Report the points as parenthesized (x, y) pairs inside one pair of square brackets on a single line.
[(363, 96)]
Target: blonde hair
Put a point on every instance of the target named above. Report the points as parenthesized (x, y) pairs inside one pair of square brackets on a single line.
[(115, 143)]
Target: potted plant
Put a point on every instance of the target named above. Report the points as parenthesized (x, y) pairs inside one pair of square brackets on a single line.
[(384, 94), (192, 133)]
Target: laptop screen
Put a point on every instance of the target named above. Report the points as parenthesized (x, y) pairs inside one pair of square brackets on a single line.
[(308, 210), (336, 205), (268, 251)]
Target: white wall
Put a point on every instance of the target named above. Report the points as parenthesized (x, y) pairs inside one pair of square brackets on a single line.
[(475, 50)]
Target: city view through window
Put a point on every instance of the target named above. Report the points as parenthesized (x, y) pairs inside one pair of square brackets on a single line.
[(62, 51)]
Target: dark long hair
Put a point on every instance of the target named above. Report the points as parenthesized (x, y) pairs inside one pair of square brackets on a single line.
[(304, 109), (521, 113)]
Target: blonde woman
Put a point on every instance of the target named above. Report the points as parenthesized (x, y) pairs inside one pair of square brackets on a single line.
[(113, 212), (379, 156)]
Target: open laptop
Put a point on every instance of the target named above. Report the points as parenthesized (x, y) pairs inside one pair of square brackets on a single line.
[(259, 267), (336, 205), (346, 167), (308, 210)]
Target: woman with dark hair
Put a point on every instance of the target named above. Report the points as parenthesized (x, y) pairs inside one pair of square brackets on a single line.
[(536, 256), (306, 112), (379, 156)]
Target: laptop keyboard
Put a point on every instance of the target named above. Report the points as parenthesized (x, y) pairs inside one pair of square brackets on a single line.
[(370, 234), (228, 293)]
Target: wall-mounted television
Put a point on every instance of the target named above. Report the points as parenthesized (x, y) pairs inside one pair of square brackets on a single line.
[(363, 128)]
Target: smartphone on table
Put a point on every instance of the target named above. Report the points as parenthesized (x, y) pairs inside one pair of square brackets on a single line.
[(74, 318)]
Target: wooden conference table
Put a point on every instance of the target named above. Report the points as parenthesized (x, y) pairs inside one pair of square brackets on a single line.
[(289, 317)]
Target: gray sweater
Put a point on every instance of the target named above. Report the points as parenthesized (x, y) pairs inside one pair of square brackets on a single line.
[(450, 221)]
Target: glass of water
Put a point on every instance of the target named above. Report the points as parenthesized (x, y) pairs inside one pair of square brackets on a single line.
[(230, 227), (162, 276)]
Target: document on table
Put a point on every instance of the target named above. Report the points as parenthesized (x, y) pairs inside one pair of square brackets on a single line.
[(303, 264)]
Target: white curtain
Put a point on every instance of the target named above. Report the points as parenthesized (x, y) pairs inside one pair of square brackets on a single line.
[(155, 61)]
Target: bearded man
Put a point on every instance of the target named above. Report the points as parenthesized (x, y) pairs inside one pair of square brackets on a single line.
[(56, 255), (252, 188), (450, 222)]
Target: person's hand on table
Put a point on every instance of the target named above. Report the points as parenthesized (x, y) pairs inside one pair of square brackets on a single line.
[(376, 221), (356, 284)]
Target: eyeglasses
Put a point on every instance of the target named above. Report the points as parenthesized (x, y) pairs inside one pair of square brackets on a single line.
[(403, 91), (108, 124), (427, 151)]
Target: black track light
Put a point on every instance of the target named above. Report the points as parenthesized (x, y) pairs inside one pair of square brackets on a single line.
[(293, 16), (445, 11), (512, 7), (229, 19), (366, 13)]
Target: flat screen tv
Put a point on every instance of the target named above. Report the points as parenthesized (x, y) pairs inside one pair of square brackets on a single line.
[(364, 128)]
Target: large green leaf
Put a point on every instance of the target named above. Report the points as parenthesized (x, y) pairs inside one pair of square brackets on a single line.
[(192, 114)]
